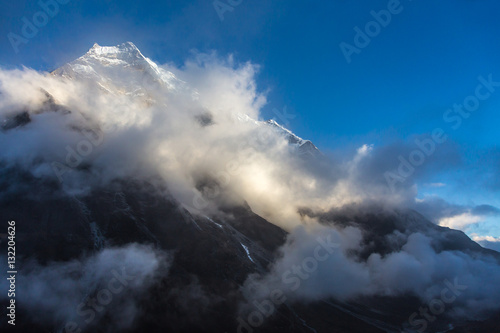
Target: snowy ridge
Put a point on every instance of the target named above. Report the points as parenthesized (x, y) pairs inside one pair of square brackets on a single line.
[(306, 147), (286, 131), (122, 68)]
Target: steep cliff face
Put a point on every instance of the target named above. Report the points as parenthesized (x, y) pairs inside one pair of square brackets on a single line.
[(212, 256)]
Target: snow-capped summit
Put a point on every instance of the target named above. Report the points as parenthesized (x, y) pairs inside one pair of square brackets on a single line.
[(124, 48), (122, 68), (125, 54)]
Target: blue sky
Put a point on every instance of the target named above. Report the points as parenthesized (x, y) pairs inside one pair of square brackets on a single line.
[(395, 90)]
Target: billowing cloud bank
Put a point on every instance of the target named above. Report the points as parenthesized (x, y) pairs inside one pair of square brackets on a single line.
[(75, 295), (200, 129)]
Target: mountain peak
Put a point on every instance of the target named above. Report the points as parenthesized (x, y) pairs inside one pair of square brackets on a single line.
[(119, 68), (121, 51)]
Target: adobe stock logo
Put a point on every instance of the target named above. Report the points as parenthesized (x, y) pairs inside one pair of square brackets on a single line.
[(428, 146), (284, 116), (372, 29), (75, 157), (30, 28), (222, 7), (419, 321), (93, 307)]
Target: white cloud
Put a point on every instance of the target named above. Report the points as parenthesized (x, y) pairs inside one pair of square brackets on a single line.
[(488, 242), (304, 273), (58, 293), (460, 221), (492, 239)]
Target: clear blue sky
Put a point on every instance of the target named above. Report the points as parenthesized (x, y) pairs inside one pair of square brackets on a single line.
[(399, 86)]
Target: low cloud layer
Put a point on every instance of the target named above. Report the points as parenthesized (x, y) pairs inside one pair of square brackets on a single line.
[(488, 242), (77, 294), (323, 263), (460, 217)]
